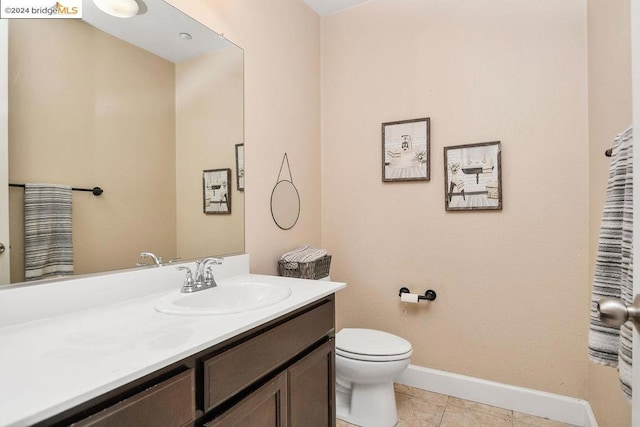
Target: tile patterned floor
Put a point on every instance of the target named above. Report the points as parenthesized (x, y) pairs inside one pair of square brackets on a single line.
[(420, 408)]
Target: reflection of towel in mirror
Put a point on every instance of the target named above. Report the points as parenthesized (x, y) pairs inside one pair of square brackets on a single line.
[(48, 248), (304, 253), (613, 273)]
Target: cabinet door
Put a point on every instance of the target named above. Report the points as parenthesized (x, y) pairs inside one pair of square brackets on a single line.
[(312, 389), (265, 407)]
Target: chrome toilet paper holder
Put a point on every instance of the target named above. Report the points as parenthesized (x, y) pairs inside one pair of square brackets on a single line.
[(429, 294)]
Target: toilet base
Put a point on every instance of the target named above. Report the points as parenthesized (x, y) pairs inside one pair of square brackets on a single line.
[(367, 405)]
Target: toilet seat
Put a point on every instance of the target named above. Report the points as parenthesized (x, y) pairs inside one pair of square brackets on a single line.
[(371, 345)]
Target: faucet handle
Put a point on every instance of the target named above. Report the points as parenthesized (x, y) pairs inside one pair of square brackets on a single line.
[(208, 278), (189, 284)]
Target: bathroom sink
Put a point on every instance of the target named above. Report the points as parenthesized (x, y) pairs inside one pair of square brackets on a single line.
[(226, 298)]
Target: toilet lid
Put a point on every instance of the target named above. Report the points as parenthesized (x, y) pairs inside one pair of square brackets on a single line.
[(369, 344)]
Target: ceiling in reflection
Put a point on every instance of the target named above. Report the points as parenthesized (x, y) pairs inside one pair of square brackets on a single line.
[(157, 29)]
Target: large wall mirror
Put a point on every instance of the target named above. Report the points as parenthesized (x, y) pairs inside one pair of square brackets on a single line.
[(138, 106)]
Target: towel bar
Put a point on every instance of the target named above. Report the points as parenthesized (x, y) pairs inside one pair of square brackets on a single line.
[(95, 190)]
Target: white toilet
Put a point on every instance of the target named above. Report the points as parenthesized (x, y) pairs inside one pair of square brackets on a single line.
[(367, 361)]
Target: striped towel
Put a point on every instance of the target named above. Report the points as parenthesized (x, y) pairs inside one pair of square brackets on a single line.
[(613, 275), (304, 253), (48, 248)]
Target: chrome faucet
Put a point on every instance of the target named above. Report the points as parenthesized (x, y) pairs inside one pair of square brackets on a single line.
[(156, 259), (204, 275)]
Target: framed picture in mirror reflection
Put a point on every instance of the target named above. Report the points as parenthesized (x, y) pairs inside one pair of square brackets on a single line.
[(240, 166), (216, 191)]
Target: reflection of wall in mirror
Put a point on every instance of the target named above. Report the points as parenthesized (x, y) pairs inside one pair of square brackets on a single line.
[(209, 122), (119, 104), (85, 110)]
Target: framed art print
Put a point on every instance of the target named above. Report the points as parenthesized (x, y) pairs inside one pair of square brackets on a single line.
[(473, 177), (216, 191), (405, 150), (240, 166)]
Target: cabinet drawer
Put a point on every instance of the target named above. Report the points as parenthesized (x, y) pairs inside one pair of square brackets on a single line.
[(228, 373), (170, 403)]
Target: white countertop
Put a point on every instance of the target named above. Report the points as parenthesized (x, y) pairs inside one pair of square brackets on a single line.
[(52, 364)]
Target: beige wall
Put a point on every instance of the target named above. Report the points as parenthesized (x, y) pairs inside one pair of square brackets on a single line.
[(209, 123), (92, 136), (495, 70), (281, 42), (609, 114), (512, 285)]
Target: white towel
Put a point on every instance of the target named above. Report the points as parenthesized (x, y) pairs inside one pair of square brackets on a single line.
[(613, 275), (48, 248)]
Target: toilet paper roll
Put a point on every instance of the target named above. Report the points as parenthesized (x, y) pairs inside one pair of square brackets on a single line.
[(407, 297)]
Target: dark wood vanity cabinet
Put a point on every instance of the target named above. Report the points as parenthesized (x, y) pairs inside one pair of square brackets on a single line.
[(279, 374), (301, 396)]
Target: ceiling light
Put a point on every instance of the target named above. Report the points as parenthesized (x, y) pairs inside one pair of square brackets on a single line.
[(185, 36), (118, 8)]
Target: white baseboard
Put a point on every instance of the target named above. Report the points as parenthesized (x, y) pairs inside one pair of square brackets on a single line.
[(541, 404)]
